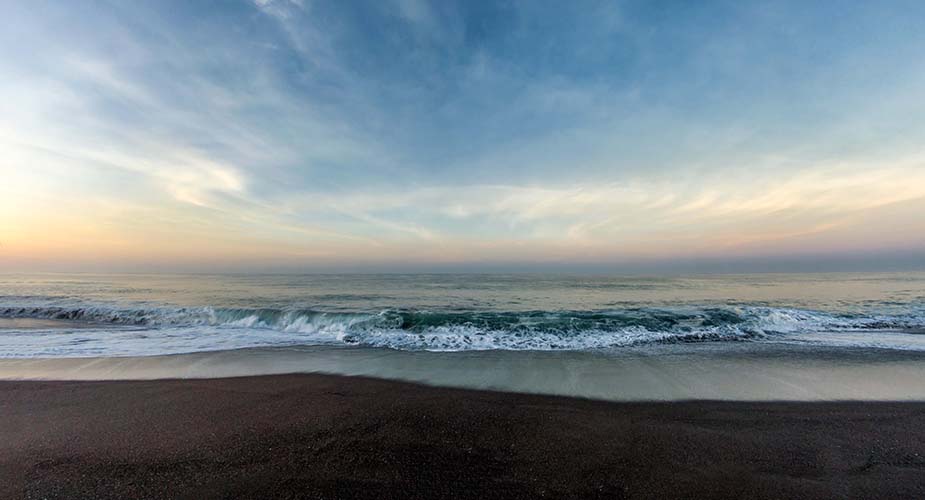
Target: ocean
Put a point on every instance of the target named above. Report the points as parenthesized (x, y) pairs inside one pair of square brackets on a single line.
[(87, 315)]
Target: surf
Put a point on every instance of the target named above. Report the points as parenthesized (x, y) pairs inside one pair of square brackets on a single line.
[(125, 329)]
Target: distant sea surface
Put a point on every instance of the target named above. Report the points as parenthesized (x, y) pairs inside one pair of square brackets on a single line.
[(84, 315)]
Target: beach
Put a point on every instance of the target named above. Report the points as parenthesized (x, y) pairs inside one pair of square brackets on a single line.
[(489, 386), (323, 436), (422, 249)]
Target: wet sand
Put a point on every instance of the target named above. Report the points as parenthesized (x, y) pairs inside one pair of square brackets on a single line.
[(323, 436), (723, 370)]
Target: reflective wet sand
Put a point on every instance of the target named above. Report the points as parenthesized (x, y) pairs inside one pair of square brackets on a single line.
[(723, 371)]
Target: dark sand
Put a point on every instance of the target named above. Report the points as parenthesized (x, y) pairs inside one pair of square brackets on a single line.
[(319, 436)]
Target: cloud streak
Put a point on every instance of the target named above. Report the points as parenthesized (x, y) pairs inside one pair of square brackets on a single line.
[(280, 130)]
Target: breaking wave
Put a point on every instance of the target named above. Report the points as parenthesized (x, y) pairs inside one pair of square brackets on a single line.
[(108, 329)]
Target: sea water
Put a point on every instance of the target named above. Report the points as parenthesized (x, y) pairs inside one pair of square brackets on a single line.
[(84, 315)]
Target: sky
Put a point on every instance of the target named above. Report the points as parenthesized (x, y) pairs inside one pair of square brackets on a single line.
[(414, 135)]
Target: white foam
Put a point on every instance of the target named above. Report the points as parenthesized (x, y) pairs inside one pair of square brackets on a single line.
[(109, 329)]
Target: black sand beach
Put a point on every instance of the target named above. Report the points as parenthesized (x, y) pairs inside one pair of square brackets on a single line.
[(319, 436)]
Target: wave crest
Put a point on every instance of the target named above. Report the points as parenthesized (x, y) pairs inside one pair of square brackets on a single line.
[(448, 330)]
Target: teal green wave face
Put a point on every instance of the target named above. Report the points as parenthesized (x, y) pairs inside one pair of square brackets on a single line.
[(415, 135)]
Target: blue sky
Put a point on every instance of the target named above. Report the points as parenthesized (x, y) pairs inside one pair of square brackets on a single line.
[(308, 134)]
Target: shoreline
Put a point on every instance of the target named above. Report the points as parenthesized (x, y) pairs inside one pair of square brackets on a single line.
[(671, 372), (325, 436)]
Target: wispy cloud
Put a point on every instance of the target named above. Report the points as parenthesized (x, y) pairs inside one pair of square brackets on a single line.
[(457, 130)]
